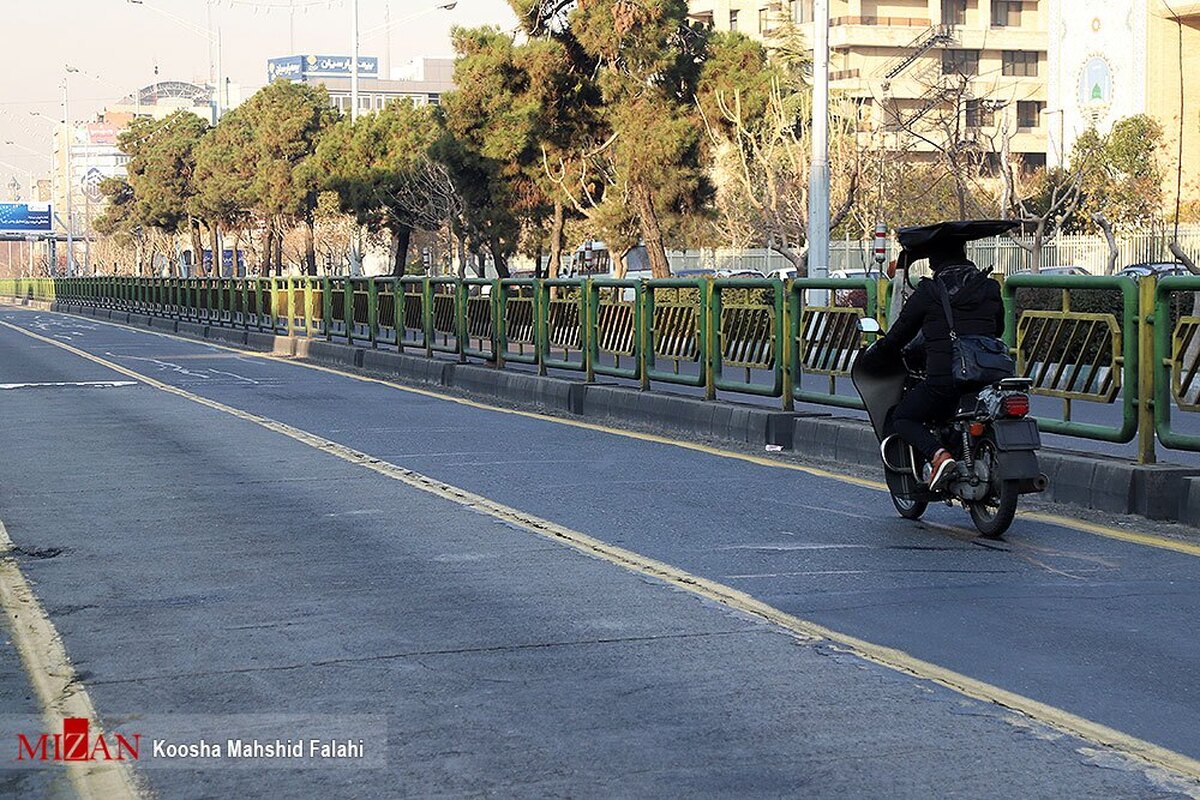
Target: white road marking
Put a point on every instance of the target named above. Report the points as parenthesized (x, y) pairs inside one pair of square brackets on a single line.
[(57, 384)]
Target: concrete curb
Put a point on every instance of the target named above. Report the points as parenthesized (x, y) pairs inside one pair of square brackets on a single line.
[(1166, 492)]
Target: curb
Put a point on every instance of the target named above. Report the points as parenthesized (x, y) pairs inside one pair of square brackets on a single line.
[(1166, 492)]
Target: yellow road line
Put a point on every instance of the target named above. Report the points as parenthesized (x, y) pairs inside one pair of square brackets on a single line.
[(54, 681), (1144, 539), (892, 658)]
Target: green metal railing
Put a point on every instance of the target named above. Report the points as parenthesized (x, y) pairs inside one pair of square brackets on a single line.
[(1100, 341), (1078, 356)]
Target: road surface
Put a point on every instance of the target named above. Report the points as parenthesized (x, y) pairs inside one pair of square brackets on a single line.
[(496, 602)]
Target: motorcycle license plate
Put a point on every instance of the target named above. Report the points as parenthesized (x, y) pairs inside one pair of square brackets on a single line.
[(1016, 434)]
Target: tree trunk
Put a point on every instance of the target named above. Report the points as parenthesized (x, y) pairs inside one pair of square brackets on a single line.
[(480, 266), (214, 244), (277, 247), (310, 246), (652, 233), (556, 241), (268, 255), (237, 249), (398, 249), (498, 258), (1113, 253), (197, 247), (461, 243), (620, 265)]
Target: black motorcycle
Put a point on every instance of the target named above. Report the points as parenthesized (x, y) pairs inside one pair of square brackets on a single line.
[(992, 439)]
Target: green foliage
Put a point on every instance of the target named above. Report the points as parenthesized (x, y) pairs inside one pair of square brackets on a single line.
[(161, 169), (1122, 178)]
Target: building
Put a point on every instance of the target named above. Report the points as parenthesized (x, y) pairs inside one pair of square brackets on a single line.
[(1123, 57), (94, 154), (907, 64), (423, 81)]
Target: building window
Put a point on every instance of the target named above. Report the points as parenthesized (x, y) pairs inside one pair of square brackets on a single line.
[(764, 20), (979, 114), (733, 20), (1020, 63), (954, 12), (960, 62), (804, 11), (1006, 13), (1029, 113)]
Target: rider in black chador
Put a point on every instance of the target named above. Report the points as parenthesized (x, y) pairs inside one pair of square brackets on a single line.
[(977, 309)]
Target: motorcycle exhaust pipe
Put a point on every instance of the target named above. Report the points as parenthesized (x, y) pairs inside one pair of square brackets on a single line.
[(1038, 484)]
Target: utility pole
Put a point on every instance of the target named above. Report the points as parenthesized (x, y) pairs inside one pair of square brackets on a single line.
[(818, 180), (68, 137), (353, 60)]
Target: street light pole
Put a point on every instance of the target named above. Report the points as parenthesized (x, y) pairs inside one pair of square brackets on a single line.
[(818, 180), (69, 135), (353, 60)]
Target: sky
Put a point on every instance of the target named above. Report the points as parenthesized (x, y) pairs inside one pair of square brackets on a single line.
[(117, 45)]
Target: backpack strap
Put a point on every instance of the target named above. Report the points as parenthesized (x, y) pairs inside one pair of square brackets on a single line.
[(945, 298)]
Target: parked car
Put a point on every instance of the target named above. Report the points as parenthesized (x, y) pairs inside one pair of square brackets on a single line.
[(1159, 269), (783, 273), (1055, 270), (851, 298), (738, 273)]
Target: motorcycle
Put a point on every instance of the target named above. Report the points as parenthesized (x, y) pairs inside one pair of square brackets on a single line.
[(993, 440)]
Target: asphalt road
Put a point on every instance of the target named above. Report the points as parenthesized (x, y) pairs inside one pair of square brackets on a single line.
[(207, 573)]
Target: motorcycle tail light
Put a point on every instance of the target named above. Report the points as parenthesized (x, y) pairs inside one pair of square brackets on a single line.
[(978, 429), (1015, 405)]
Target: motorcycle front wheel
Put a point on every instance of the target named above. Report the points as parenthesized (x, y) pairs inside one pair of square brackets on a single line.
[(994, 514), (908, 508)]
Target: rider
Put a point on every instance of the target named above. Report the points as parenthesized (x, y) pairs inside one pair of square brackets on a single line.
[(977, 309)]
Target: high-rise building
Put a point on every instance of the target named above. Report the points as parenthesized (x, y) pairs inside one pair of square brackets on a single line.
[(916, 68), (1118, 58)]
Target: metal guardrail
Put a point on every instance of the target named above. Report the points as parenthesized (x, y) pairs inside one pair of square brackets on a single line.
[(1079, 356), (1085, 341)]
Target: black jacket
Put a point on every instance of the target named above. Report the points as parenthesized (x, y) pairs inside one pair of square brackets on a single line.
[(975, 301)]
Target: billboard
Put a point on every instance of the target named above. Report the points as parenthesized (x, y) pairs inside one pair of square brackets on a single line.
[(25, 217), (297, 68)]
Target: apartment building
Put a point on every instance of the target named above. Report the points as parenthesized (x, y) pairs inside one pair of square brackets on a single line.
[(924, 73)]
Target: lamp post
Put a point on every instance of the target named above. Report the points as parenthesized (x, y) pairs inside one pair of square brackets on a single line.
[(1060, 150), (818, 178), (354, 37), (68, 138)]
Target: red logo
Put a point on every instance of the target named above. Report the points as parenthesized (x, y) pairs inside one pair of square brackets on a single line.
[(75, 744)]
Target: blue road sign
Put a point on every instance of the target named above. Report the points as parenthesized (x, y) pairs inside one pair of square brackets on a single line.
[(25, 217)]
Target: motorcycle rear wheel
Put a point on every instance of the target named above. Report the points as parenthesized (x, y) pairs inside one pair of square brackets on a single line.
[(994, 514), (909, 509)]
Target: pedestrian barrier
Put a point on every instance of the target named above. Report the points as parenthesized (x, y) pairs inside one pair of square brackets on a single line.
[(1088, 343)]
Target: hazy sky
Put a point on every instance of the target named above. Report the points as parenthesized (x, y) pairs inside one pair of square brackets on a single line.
[(121, 44)]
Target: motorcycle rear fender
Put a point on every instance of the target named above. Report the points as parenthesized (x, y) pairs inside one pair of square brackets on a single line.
[(1017, 465), (1016, 434)]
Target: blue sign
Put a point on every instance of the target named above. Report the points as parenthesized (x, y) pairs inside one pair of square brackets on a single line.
[(25, 217), (297, 68)]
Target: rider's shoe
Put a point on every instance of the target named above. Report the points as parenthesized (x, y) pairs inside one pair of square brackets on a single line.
[(941, 467)]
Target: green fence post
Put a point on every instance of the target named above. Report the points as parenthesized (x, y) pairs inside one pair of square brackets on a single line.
[(499, 320), (783, 348), (643, 324), (373, 312), (1146, 372), (427, 315), (348, 308), (327, 306), (587, 334), (710, 322), (461, 297)]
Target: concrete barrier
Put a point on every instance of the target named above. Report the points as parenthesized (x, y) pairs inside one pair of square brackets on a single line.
[(412, 368), (330, 353)]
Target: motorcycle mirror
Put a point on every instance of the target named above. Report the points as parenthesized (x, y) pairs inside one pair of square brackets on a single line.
[(869, 325)]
